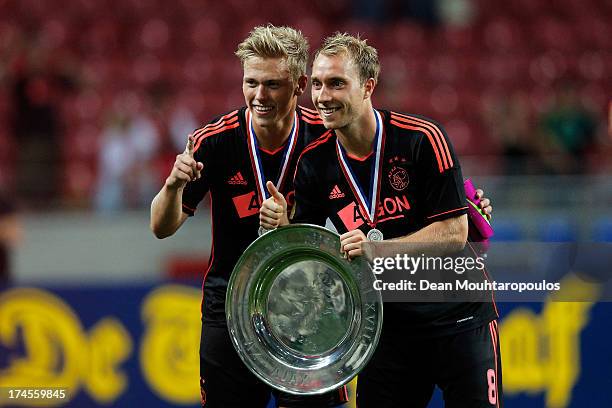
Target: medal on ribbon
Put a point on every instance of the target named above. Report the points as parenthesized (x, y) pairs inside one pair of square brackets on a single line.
[(367, 204)]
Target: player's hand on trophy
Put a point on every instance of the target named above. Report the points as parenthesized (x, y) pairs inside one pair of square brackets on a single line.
[(351, 243), (485, 203), (185, 168), (273, 211)]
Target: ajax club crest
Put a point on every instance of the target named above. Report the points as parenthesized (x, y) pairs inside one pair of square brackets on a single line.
[(398, 177)]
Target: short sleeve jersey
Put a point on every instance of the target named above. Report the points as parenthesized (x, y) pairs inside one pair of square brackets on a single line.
[(420, 183), (228, 176)]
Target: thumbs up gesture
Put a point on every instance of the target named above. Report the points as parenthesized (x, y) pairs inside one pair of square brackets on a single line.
[(273, 211), (185, 167)]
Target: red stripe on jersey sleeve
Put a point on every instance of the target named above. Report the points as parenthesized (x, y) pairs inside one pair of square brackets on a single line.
[(441, 140), (320, 140), (215, 125), (210, 127), (311, 111), (315, 116), (197, 146), (221, 119), (441, 166), (447, 212), (437, 129), (436, 136), (312, 121)]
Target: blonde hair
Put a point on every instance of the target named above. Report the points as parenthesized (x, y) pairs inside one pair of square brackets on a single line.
[(276, 42), (363, 55)]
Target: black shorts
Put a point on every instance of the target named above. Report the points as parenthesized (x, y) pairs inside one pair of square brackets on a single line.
[(225, 382), (404, 371)]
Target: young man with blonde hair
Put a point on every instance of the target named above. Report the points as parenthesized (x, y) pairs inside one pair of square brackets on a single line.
[(370, 157), (232, 157)]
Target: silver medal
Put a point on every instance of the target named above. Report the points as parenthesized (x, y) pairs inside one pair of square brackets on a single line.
[(374, 235)]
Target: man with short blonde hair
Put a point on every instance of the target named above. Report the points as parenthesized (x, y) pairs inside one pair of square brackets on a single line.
[(220, 158), (364, 56), (370, 157), (276, 42)]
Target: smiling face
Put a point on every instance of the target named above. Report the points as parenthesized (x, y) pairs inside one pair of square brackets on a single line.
[(337, 91), (269, 90)]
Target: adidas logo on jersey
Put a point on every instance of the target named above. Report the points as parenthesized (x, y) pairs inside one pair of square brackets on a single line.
[(335, 193), (237, 179)]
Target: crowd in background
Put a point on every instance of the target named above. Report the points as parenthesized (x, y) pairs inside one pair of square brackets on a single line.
[(97, 97)]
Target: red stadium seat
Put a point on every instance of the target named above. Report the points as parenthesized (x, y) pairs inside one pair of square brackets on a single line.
[(167, 49)]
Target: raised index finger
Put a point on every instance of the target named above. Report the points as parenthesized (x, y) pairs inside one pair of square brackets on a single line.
[(189, 147)]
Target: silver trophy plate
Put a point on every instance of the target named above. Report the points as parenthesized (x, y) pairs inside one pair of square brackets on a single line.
[(303, 319)]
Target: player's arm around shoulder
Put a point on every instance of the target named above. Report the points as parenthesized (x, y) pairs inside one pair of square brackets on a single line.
[(166, 208)]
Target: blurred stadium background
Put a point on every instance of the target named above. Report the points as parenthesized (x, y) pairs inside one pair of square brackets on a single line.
[(97, 97)]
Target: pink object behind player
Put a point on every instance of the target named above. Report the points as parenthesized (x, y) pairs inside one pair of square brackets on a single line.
[(477, 217)]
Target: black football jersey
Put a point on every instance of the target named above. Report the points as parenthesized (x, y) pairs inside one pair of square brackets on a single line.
[(228, 176), (420, 183)]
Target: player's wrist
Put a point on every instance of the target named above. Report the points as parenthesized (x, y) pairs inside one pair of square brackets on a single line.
[(174, 186), (284, 221)]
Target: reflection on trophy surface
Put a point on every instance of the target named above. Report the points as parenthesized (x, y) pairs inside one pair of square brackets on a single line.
[(301, 317), (307, 307)]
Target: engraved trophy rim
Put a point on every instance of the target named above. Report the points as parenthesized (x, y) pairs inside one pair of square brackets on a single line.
[(345, 334)]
